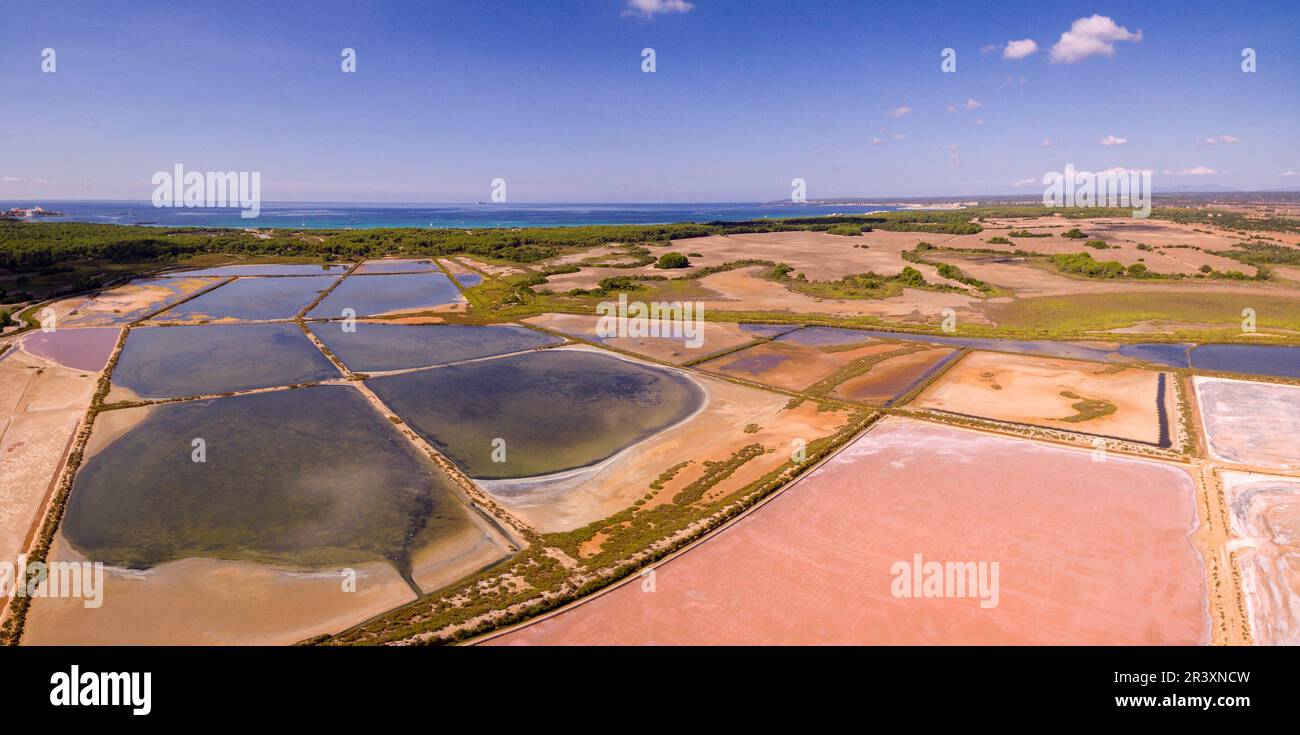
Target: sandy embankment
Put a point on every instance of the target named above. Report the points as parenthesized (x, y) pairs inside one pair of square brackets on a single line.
[(41, 405), (213, 602)]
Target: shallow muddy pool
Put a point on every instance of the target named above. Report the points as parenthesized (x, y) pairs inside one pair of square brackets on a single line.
[(542, 412), (378, 347), (171, 362), (134, 301), (87, 348), (250, 299), (307, 477), (377, 295)]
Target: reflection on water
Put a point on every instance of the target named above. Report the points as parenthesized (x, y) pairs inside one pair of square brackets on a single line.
[(554, 410), (375, 295), (170, 362), (251, 299), (1282, 362), (377, 347), (312, 477)]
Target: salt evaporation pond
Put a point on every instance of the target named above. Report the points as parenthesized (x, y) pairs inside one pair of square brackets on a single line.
[(554, 410), (251, 299), (379, 347), (398, 265), (378, 295), (312, 477), (87, 348), (172, 362)]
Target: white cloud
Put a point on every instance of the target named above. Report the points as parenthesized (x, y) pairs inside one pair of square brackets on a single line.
[(1047, 142), (1194, 171), (1094, 36), (1112, 140), (898, 136), (651, 8), (1019, 49), (972, 104), (979, 121), (876, 141), (10, 179), (1289, 173), (899, 111), (1026, 182), (954, 157), (1225, 139), (989, 48)]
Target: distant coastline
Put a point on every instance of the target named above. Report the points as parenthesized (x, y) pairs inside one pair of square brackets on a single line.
[(314, 215)]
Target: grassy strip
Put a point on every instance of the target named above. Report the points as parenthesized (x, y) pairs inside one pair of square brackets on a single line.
[(1191, 444), (716, 472)]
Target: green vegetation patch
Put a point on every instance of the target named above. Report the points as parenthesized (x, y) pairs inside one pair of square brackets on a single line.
[(672, 260), (1087, 409)]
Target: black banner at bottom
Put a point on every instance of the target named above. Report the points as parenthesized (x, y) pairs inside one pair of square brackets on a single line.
[(500, 686)]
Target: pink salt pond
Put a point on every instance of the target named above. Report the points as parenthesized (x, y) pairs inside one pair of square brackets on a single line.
[(85, 348)]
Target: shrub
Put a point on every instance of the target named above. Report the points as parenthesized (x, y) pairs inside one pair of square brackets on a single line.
[(1074, 233), (1083, 264), (1097, 244), (910, 277), (998, 241), (672, 260)]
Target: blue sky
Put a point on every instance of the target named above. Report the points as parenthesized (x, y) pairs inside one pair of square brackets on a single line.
[(550, 95)]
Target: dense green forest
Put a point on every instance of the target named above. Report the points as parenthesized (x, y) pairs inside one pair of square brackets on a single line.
[(28, 246)]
